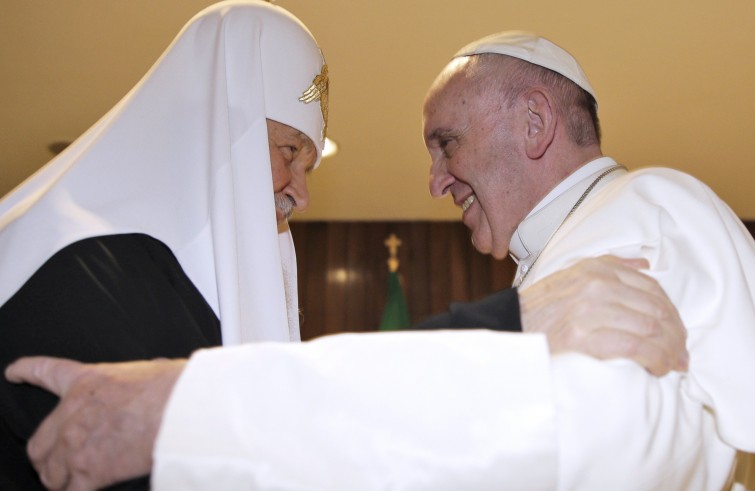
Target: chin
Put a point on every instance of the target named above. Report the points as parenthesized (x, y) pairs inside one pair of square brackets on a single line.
[(500, 249), (487, 247), (500, 255), (482, 246)]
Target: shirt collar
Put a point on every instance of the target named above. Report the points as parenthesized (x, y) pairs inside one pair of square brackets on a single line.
[(533, 233)]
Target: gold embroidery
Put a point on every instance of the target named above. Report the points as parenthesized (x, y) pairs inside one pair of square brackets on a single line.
[(318, 91)]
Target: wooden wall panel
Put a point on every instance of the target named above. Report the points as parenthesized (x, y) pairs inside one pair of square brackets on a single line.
[(343, 272)]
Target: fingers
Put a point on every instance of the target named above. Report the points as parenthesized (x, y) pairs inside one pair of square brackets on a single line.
[(53, 434), (58, 449), (612, 272), (641, 307), (54, 475), (611, 343), (631, 290), (81, 482), (53, 374), (57, 376), (104, 428), (607, 308), (632, 324)]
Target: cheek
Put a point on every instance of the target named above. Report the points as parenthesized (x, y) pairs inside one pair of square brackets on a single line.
[(281, 175), (472, 163), (494, 223)]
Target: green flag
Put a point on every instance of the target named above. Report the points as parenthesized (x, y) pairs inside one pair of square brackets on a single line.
[(396, 313)]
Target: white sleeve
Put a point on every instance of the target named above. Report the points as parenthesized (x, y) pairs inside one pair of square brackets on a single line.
[(427, 410), (469, 410)]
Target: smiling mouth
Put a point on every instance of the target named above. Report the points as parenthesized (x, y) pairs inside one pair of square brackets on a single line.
[(467, 203)]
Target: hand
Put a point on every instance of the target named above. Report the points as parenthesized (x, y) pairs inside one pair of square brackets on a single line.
[(605, 308), (104, 428)]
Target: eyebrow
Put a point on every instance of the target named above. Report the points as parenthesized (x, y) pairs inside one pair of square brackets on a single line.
[(439, 133), (303, 139)]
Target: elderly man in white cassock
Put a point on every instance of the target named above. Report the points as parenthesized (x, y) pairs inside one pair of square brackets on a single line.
[(511, 126), (153, 236)]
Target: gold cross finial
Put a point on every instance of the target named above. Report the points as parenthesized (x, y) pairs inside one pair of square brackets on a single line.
[(393, 243)]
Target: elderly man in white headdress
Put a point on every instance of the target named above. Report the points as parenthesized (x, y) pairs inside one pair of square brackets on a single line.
[(178, 174), (161, 217)]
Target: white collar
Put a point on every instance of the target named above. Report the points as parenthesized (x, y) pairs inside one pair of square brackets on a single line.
[(533, 233)]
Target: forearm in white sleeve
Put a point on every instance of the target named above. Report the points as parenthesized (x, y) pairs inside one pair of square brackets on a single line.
[(404, 411)]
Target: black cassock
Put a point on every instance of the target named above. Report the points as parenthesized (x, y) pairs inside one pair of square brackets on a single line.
[(499, 312)]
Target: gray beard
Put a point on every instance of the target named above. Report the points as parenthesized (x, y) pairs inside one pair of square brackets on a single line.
[(285, 204)]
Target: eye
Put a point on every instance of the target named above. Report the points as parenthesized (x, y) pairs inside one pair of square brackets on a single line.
[(447, 146), (288, 152)]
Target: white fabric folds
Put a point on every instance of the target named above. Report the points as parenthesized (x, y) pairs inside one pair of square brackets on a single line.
[(184, 158)]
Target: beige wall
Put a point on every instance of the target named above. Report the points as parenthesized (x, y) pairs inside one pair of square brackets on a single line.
[(674, 80)]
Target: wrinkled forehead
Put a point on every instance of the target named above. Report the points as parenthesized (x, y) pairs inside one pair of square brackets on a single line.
[(457, 79)]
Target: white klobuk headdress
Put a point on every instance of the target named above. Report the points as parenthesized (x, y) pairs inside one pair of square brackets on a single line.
[(184, 158)]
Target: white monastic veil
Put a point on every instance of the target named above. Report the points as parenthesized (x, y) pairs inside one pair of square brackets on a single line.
[(184, 158)]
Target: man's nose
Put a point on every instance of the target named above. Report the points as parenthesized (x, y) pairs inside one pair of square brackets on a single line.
[(300, 192), (440, 180)]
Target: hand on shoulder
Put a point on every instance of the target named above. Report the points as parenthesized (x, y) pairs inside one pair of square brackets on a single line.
[(606, 308)]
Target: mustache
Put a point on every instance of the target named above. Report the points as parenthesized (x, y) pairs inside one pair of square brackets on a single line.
[(285, 204)]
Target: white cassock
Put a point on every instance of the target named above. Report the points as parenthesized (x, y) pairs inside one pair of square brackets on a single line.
[(683, 427), (489, 411)]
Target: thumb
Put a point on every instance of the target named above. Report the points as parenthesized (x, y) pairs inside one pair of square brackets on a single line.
[(53, 374)]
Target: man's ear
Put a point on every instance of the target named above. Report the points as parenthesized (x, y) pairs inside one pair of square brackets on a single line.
[(541, 125)]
